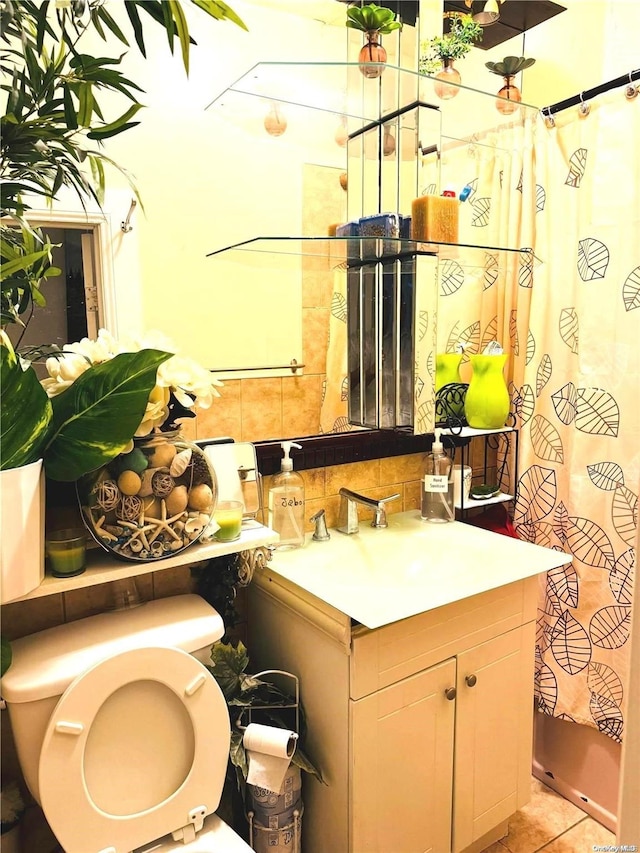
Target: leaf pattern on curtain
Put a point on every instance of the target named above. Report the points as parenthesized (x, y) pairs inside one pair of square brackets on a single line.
[(339, 306), (531, 347), (490, 333), (564, 582), (423, 416), (565, 403), (577, 167), (523, 403), (593, 259), (513, 333), (552, 604), (430, 189), (570, 644), (606, 475), (525, 272), (541, 198), (607, 716), (422, 324), (481, 212), (624, 514), (609, 627), (597, 412), (604, 681), (471, 335), (546, 440), (561, 522), (569, 328), (452, 277), (631, 290), (543, 374), (546, 689), (621, 577), (589, 543), (490, 270), (537, 492), (344, 389)]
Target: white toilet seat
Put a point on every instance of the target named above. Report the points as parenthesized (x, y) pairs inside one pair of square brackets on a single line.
[(90, 769)]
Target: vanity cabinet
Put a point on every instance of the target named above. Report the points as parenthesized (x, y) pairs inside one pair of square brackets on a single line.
[(422, 728)]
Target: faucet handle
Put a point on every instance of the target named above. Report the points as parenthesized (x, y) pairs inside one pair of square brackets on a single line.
[(380, 514), (320, 534)]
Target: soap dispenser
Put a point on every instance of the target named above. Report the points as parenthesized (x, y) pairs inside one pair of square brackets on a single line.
[(437, 485), (286, 502)]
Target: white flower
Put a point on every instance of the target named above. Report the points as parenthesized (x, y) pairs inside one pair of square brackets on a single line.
[(190, 384)]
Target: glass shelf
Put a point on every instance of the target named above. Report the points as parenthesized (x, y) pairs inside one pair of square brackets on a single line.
[(355, 251), (339, 88)]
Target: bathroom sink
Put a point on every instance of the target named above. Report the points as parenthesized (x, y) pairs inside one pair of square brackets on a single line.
[(378, 576)]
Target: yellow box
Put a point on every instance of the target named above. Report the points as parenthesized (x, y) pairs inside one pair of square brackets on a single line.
[(434, 219)]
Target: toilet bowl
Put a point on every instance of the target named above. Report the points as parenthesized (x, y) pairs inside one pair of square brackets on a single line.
[(122, 733)]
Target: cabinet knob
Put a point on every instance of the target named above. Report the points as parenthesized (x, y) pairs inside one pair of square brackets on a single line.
[(471, 680), (450, 693)]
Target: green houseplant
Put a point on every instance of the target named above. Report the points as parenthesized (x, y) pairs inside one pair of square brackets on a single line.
[(374, 21), (53, 130), (440, 52)]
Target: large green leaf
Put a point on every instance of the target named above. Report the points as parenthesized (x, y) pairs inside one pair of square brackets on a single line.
[(96, 417), (26, 415)]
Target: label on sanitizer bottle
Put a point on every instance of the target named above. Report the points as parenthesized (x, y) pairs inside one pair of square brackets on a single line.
[(436, 483)]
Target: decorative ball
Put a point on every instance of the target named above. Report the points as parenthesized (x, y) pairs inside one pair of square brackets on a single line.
[(129, 483), (177, 500), (106, 494), (162, 484), (162, 455), (200, 497), (129, 508)]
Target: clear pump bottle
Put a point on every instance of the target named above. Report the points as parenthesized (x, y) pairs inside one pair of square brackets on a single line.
[(437, 485), (286, 502)]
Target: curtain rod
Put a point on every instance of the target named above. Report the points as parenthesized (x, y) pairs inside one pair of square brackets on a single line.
[(591, 93)]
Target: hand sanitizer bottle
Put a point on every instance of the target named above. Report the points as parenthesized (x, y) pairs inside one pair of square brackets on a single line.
[(437, 487), (286, 502)]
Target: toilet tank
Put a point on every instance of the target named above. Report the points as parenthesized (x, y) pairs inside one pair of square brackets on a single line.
[(44, 664)]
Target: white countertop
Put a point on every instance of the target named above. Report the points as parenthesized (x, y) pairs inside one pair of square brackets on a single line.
[(381, 576)]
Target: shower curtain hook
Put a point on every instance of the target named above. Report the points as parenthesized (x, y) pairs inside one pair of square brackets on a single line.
[(549, 120), (631, 91), (585, 109)]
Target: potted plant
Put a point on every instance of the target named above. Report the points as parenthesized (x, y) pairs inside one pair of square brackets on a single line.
[(509, 96), (52, 132), (374, 21), (442, 51), (269, 705), (11, 812)]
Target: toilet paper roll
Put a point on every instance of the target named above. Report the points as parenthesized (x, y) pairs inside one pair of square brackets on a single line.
[(269, 751)]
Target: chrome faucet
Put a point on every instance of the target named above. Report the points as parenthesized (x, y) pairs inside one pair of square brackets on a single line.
[(348, 517)]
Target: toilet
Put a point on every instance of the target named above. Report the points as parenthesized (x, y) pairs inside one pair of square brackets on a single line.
[(122, 733)]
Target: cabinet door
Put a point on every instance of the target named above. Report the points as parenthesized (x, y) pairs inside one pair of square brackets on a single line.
[(493, 737), (401, 765)]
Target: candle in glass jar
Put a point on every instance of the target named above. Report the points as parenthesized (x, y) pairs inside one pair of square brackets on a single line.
[(66, 552), (228, 517)]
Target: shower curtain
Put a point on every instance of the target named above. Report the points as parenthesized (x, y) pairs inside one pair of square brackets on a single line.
[(570, 321), (579, 409)]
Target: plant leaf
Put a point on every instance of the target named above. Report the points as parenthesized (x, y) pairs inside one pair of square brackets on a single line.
[(27, 423), (98, 414), (227, 666)]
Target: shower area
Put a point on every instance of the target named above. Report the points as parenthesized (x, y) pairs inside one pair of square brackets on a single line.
[(563, 182)]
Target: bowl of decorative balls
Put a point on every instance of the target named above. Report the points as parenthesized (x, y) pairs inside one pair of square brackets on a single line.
[(152, 502)]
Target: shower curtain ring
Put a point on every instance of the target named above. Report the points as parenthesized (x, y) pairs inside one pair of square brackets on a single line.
[(631, 91), (549, 120), (585, 109)]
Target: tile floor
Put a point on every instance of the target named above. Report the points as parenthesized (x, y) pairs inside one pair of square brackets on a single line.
[(551, 824)]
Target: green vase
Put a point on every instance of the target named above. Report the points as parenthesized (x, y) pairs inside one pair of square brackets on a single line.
[(447, 368), (487, 402), (447, 373)]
